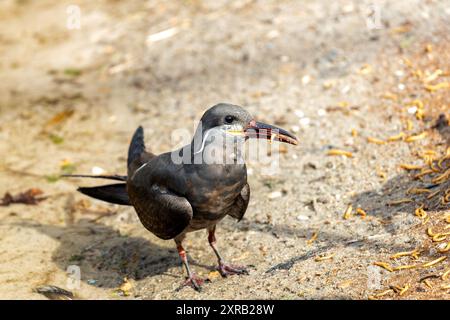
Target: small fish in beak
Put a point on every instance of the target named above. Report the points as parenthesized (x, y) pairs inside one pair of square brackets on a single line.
[(261, 130)]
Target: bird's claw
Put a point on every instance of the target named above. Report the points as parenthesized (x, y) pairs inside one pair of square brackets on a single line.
[(194, 282), (226, 270)]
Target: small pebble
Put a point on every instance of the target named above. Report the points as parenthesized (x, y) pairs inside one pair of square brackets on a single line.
[(273, 34), (275, 194), (306, 79), (305, 122), (299, 113), (302, 217), (346, 89), (97, 170), (412, 110)]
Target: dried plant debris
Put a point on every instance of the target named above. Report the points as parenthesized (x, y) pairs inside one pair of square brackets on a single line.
[(337, 152), (426, 118), (59, 118), (29, 197), (54, 292), (348, 212), (324, 257)]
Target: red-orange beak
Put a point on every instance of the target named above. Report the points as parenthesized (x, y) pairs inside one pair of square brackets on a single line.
[(261, 130)]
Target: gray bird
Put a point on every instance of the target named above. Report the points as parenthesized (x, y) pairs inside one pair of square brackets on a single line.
[(194, 187)]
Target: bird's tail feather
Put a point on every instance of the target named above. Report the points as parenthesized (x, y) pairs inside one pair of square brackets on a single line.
[(112, 193), (110, 177), (137, 145)]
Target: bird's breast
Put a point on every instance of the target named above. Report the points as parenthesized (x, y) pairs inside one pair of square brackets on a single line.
[(217, 199), (212, 194)]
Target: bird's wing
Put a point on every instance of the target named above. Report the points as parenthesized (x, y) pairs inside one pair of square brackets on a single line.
[(161, 211), (160, 207), (237, 210)]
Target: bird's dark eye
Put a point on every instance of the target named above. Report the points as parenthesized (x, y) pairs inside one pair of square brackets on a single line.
[(229, 119)]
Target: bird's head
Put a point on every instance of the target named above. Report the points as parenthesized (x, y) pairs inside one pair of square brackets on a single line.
[(235, 121)]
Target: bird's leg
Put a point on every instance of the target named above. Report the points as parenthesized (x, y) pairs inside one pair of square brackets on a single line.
[(192, 280), (223, 268)]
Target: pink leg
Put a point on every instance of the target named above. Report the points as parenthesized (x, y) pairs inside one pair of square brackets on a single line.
[(192, 280), (223, 268)]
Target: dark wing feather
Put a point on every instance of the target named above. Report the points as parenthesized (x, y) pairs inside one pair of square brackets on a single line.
[(160, 205), (161, 211), (237, 210)]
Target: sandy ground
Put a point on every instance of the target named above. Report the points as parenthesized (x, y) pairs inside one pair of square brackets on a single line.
[(71, 98)]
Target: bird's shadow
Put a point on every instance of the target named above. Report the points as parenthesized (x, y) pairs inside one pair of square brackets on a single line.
[(373, 202), (106, 257)]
